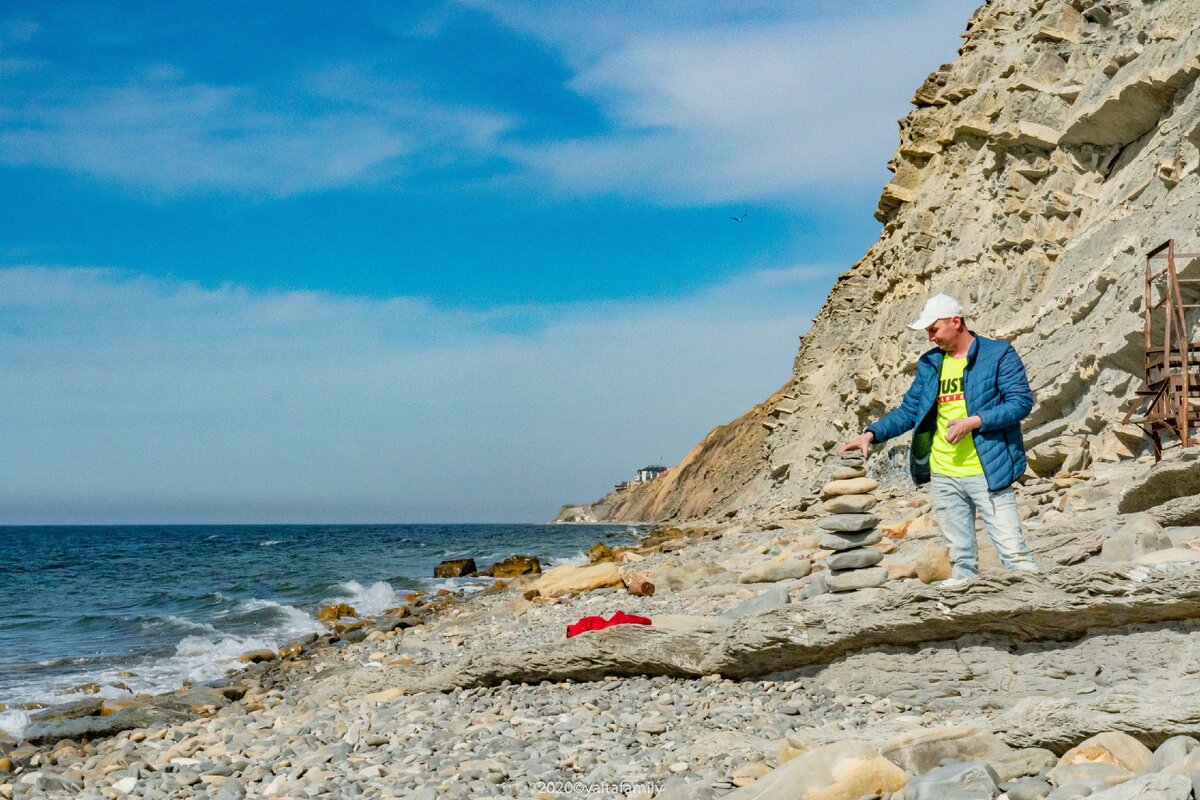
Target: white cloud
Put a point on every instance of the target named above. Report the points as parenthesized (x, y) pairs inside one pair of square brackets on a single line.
[(707, 103), (133, 399), (717, 111), (169, 134)]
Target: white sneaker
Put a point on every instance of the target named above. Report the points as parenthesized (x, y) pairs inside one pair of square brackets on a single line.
[(954, 583)]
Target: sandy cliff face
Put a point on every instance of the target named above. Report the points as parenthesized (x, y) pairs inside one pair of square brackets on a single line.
[(1032, 176)]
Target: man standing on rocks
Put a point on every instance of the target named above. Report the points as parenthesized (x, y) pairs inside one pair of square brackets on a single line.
[(966, 403)]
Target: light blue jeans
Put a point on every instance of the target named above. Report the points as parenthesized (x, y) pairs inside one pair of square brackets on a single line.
[(954, 503)]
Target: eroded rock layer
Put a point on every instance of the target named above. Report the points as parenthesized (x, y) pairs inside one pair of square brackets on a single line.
[(1063, 605), (1032, 176)]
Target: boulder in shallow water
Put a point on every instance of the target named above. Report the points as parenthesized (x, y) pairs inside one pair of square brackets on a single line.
[(113, 706), (515, 566), (96, 727), (291, 650), (600, 552), (75, 710), (454, 568), (336, 612), (87, 688)]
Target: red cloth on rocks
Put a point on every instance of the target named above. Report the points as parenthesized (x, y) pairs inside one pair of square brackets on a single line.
[(597, 623)]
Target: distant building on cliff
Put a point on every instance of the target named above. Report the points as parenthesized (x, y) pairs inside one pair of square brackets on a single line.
[(650, 473)]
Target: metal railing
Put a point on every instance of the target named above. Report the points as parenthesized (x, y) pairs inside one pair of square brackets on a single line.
[(1168, 400)]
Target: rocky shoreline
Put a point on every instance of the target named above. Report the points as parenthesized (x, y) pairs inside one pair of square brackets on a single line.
[(752, 681)]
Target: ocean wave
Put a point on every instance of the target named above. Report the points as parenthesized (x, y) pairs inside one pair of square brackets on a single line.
[(577, 560), (178, 622), (368, 601), (295, 622), (269, 542), (63, 661)]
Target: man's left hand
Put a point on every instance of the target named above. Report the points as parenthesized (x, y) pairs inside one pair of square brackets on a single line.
[(958, 428)]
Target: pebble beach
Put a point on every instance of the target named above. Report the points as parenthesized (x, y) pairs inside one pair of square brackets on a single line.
[(331, 716)]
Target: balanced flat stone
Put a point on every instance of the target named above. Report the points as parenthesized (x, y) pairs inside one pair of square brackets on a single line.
[(848, 523), (847, 541), (850, 504), (853, 579), (842, 473), (856, 558), (850, 486)]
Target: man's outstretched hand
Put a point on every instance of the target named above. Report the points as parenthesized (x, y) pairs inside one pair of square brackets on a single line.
[(862, 443)]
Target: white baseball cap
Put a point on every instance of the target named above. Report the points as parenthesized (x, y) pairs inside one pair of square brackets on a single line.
[(940, 306)]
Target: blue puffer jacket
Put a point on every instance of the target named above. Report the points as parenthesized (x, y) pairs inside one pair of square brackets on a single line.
[(996, 390)]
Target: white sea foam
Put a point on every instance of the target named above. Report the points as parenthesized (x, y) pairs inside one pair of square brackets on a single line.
[(269, 542), (204, 654), (464, 585), (578, 560), (182, 622), (13, 722), (294, 622), (368, 601)]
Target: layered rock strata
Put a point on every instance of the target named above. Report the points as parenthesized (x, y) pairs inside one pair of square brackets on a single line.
[(1032, 176), (1061, 605)]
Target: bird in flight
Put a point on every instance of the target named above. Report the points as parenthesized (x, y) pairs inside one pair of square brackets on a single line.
[(739, 219)]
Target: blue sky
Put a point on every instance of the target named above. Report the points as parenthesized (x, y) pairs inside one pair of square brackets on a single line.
[(418, 261)]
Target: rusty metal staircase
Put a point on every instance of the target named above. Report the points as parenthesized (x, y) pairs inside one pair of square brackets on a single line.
[(1168, 401)]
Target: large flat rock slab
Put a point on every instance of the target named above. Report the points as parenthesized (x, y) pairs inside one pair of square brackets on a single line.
[(1061, 605)]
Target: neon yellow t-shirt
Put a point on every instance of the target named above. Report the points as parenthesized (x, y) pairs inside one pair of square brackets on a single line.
[(954, 460)]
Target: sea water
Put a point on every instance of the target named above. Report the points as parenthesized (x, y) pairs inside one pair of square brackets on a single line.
[(143, 609)]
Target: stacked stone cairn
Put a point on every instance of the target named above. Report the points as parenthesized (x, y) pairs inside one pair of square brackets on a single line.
[(850, 528)]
